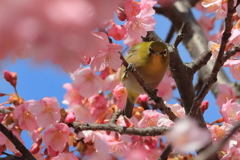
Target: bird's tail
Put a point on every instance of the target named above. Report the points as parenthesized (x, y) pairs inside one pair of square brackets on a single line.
[(132, 97), (127, 111)]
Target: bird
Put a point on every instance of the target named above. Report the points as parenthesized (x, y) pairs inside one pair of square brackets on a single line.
[(151, 60)]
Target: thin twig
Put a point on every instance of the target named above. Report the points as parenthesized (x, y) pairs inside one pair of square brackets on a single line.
[(180, 35), (115, 116)]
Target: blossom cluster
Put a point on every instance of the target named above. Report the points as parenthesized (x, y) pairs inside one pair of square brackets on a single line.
[(78, 33)]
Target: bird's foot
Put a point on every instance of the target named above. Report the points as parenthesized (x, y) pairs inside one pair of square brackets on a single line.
[(130, 67)]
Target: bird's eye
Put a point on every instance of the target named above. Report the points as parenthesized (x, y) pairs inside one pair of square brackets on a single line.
[(164, 53), (150, 51)]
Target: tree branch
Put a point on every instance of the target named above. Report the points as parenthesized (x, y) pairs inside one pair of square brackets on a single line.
[(165, 153), (149, 131), (199, 62), (19, 146), (218, 64), (194, 40)]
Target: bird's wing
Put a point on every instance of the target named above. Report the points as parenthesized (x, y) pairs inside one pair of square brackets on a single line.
[(132, 51)]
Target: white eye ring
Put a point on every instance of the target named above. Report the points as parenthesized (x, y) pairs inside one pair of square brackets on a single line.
[(164, 53)]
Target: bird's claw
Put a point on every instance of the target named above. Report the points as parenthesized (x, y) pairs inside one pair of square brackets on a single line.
[(130, 67)]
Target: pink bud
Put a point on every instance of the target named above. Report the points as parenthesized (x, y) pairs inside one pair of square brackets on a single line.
[(11, 77), (2, 94), (36, 146), (7, 75), (204, 106), (2, 149), (70, 117), (88, 60), (121, 15), (118, 32), (143, 98)]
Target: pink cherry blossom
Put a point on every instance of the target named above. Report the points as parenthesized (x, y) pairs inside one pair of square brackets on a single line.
[(165, 88), (72, 96), (177, 109), (39, 156), (98, 138), (153, 118), (56, 136), (47, 111), (131, 41), (117, 148), (53, 30), (131, 9), (225, 93), (86, 82), (147, 4), (36, 135), (139, 154), (26, 119), (143, 22), (82, 113), (98, 105), (110, 57), (65, 156), (51, 152), (231, 112), (214, 47), (232, 153), (207, 25), (235, 35), (118, 32), (98, 155), (190, 136), (234, 65), (110, 81), (215, 5), (120, 94), (217, 132)]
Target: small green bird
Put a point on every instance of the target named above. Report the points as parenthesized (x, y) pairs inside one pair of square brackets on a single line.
[(151, 60)]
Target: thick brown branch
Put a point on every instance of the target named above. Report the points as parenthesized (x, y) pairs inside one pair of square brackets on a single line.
[(165, 153), (149, 131), (194, 40), (198, 63), (219, 62), (19, 146)]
